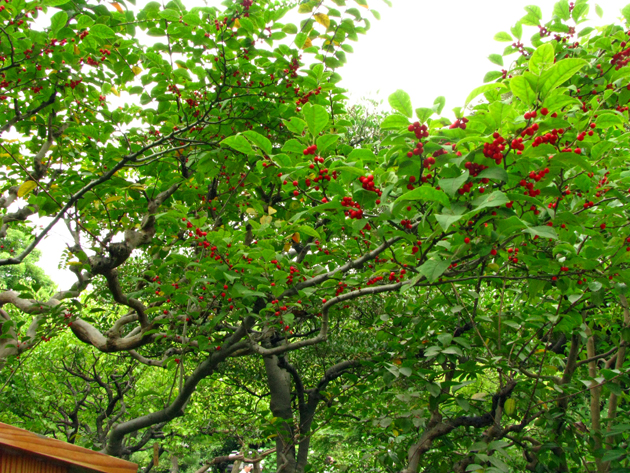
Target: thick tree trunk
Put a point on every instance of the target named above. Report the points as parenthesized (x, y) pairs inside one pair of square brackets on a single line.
[(596, 425), (279, 382)]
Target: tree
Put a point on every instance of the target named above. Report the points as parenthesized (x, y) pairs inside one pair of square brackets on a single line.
[(28, 273), (229, 217)]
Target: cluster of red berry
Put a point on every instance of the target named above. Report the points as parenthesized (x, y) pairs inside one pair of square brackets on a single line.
[(292, 270), (310, 150), (495, 149), (367, 182), (421, 131), (406, 224), (459, 123), (621, 58), (550, 137), (417, 151), (340, 288), (474, 169), (356, 214)]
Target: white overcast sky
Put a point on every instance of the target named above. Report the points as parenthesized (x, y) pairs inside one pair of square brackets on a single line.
[(426, 47)]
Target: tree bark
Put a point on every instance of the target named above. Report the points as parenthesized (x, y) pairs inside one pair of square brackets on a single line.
[(596, 426), (279, 382), (612, 440)]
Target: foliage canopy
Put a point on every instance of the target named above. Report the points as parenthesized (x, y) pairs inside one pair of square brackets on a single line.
[(449, 295)]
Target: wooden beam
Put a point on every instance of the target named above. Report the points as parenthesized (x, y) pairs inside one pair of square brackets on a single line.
[(41, 446)]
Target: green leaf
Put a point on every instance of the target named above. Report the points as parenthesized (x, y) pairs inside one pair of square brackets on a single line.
[(295, 125), (451, 186), (625, 11), (492, 76), (542, 58), (239, 143), (446, 220), (613, 455), (58, 21), (290, 28), (496, 199), (325, 141), (503, 37), (300, 39), (517, 30), (453, 351), (439, 103), (306, 7), (53, 3), (401, 102), (561, 10), (599, 11), (362, 154), (308, 231), (535, 11), (394, 122), (610, 119), (542, 231), (423, 114), (497, 173), (580, 10), (261, 141), (559, 73), (293, 146), (433, 269), (585, 31), (102, 31), (482, 89), (521, 88), (496, 59), (84, 22), (170, 15), (316, 118), (425, 193)]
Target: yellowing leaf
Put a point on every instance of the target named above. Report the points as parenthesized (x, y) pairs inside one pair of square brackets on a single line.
[(75, 263), (251, 211), (76, 119), (138, 187), (25, 188), (136, 70), (117, 6), (181, 65), (266, 219), (271, 210), (287, 246), (115, 91), (307, 44), (397, 361), (237, 23), (77, 51), (395, 433), (296, 237), (322, 19), (113, 198)]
